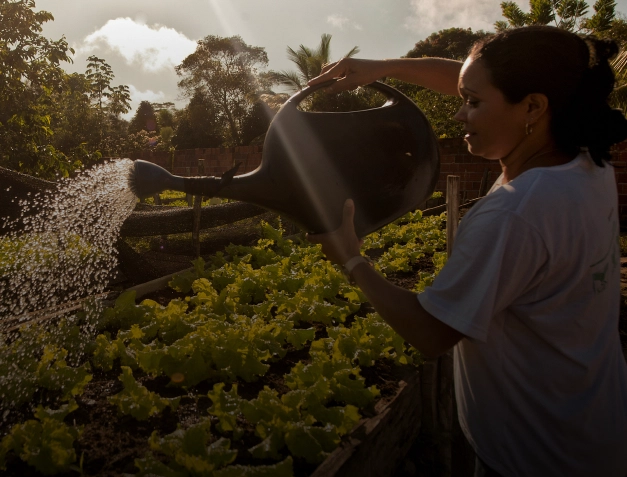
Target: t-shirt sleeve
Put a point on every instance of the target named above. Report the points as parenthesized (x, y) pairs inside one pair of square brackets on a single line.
[(497, 258)]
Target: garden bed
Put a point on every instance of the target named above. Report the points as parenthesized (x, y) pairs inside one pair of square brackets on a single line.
[(112, 441)]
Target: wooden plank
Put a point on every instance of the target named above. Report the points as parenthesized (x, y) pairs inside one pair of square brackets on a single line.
[(160, 220), (452, 211), (196, 224), (197, 214), (438, 393), (376, 446)]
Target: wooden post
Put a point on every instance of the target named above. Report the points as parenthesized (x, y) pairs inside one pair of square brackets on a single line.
[(457, 449), (483, 188), (441, 369), (196, 213), (196, 225), (201, 167), (452, 211), (189, 197)]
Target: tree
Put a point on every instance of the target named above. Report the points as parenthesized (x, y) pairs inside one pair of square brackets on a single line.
[(603, 18), (30, 74), (451, 43), (165, 114), (144, 119), (165, 138), (439, 110), (567, 14), (355, 100), (309, 63), (570, 15), (618, 32), (74, 120), (256, 123), (198, 125), (100, 75), (110, 101), (227, 72), (119, 100)]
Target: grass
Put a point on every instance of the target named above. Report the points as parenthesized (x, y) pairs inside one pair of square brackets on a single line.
[(175, 198)]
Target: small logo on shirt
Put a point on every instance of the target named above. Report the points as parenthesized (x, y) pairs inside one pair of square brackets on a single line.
[(612, 257), (599, 283)]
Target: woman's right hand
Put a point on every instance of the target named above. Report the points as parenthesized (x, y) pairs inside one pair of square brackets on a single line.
[(351, 73)]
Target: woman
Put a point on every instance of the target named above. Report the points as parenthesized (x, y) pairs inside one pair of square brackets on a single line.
[(530, 294)]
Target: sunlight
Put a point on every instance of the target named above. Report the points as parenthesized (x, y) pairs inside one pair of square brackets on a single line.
[(232, 24), (230, 19), (333, 185)]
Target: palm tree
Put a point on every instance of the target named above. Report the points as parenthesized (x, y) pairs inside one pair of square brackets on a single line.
[(309, 63), (618, 98)]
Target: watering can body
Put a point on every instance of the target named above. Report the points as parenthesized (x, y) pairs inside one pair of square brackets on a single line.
[(386, 159)]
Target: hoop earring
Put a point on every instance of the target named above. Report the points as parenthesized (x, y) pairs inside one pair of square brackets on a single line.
[(528, 129)]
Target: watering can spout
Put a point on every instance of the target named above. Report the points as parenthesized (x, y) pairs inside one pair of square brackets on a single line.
[(147, 179)]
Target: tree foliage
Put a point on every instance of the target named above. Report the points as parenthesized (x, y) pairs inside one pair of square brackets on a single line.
[(198, 124), (119, 100), (144, 119), (309, 63), (568, 14), (74, 121), (355, 100), (99, 74), (30, 73), (51, 122), (440, 109), (86, 114), (227, 72), (110, 101), (450, 43), (618, 32), (572, 16)]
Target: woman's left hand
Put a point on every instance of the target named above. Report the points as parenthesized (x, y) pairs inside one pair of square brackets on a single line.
[(342, 244)]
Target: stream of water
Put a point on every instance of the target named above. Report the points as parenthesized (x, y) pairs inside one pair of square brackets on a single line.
[(66, 251)]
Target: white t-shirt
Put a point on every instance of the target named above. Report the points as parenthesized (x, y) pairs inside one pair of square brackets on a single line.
[(534, 284)]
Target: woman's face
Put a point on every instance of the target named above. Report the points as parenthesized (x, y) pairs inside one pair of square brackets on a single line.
[(493, 126)]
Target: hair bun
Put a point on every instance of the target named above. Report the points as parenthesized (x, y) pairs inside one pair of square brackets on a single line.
[(605, 48), (606, 126)]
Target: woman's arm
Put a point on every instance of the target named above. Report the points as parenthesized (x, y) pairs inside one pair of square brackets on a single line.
[(437, 74), (399, 307)]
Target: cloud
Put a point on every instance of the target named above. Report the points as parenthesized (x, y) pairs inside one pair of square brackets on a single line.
[(429, 16), (154, 48), (340, 21)]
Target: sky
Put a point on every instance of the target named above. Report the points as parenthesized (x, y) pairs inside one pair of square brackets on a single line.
[(143, 40)]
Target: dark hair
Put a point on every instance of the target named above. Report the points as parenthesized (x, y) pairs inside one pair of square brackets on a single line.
[(571, 70)]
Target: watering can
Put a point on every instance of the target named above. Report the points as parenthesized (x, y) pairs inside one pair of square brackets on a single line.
[(386, 159)]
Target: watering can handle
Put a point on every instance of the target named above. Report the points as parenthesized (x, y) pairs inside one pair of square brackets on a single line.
[(391, 93)]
